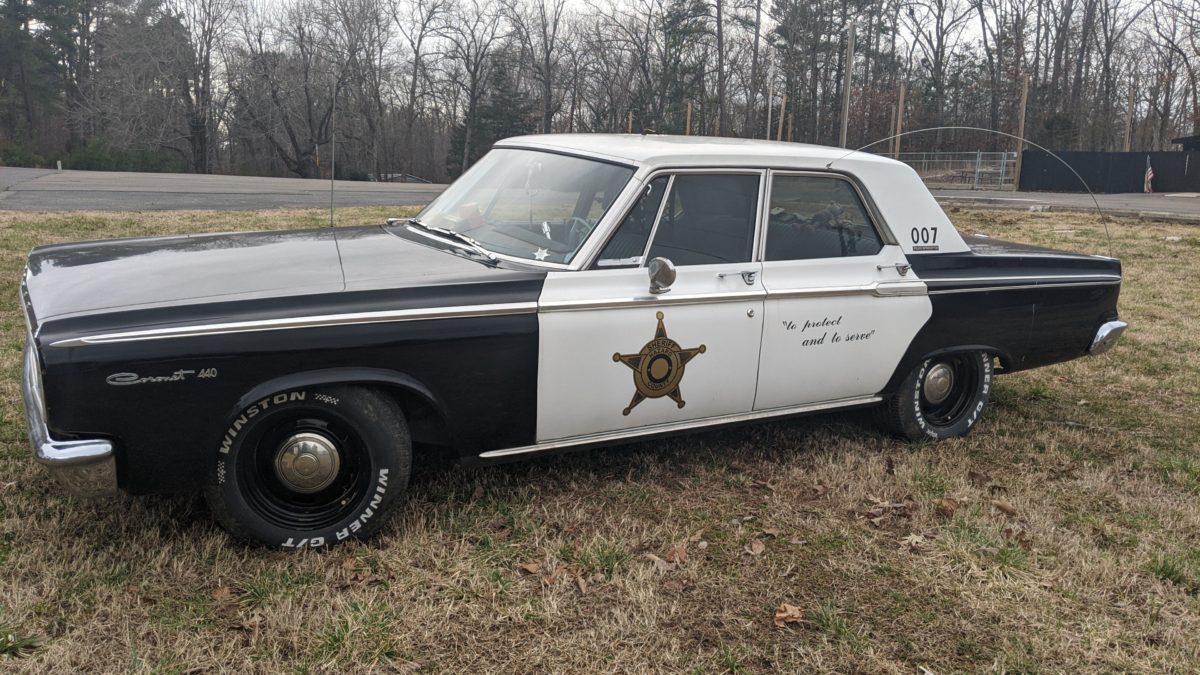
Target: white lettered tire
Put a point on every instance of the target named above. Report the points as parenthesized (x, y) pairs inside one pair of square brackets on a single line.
[(942, 397), (311, 467)]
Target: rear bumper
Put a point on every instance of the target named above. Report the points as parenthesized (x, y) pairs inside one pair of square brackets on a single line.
[(1106, 336), (85, 467)]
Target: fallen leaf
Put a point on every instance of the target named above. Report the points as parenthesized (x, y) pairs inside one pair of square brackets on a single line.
[(1004, 506), (756, 547), (696, 537), (946, 506), (659, 564), (677, 554), (582, 584), (978, 478), (222, 594), (772, 532), (531, 568), (797, 541), (702, 545), (913, 542), (785, 614)]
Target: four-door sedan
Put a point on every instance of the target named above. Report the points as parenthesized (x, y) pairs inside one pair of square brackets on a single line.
[(567, 291)]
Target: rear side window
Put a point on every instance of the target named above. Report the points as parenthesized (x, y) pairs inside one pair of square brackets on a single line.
[(817, 217), (708, 219)]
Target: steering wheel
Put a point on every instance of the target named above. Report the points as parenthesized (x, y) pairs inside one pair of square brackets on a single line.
[(577, 231)]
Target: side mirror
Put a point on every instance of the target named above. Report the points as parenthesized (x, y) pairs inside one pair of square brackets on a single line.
[(662, 275)]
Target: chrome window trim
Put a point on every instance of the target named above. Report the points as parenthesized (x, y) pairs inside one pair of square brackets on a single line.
[(874, 218), (317, 321), (662, 208), (672, 172), (608, 436)]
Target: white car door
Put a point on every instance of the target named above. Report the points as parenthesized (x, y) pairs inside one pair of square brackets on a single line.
[(615, 357), (842, 306)]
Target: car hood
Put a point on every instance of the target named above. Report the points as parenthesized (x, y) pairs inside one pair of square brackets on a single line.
[(87, 278)]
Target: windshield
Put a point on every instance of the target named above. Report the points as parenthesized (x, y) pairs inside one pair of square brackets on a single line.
[(528, 204)]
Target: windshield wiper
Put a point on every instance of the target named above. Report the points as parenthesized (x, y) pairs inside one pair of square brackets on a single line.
[(458, 237)]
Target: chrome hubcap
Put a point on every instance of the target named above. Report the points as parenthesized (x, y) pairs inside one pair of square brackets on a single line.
[(939, 381), (307, 462)]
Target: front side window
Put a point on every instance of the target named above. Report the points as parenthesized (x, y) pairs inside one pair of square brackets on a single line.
[(528, 204), (817, 217), (629, 241), (708, 219)]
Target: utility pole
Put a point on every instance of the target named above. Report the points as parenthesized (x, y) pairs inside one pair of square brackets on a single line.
[(1021, 133), (782, 114), (1129, 121), (848, 70), (899, 121), (332, 145), (689, 120), (770, 93)]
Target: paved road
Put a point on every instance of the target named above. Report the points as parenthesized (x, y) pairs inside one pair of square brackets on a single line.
[(48, 190), (1183, 205)]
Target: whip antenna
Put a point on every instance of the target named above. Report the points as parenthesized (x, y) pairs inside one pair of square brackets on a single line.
[(1099, 211)]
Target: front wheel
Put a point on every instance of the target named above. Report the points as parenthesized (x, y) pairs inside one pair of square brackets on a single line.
[(311, 467), (943, 397)]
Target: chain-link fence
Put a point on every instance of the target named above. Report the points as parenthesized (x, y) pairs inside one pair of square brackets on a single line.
[(964, 170)]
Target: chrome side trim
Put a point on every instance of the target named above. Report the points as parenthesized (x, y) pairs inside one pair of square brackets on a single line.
[(387, 316), (877, 289), (648, 300), (85, 467), (607, 436), (885, 289), (1108, 278), (1022, 287), (1106, 337)]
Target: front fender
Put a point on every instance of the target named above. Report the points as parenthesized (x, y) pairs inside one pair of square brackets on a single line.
[(340, 376)]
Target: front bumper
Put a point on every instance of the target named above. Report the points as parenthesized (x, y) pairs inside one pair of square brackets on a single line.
[(85, 467), (1106, 337)]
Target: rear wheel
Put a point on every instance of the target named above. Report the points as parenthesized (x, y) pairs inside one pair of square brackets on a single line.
[(311, 468), (943, 397)]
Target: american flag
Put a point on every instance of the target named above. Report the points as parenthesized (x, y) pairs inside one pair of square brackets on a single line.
[(1148, 183)]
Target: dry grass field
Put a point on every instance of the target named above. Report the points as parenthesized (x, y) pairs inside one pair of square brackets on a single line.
[(1063, 535)]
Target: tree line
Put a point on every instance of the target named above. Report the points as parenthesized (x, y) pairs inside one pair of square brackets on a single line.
[(424, 87)]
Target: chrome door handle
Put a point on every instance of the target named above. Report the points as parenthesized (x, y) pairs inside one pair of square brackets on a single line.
[(747, 276), (902, 268)]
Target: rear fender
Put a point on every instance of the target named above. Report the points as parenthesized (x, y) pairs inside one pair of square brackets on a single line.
[(912, 359)]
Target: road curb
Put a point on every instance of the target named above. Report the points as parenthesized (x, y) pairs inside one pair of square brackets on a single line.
[(993, 204)]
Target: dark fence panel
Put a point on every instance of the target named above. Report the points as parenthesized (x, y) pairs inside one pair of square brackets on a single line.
[(1110, 171)]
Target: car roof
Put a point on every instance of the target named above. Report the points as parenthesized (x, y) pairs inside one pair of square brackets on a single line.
[(656, 150)]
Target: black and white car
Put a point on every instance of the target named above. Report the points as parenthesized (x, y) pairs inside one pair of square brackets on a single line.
[(567, 291)]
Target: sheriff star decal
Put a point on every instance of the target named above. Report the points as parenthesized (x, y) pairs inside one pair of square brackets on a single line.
[(658, 367)]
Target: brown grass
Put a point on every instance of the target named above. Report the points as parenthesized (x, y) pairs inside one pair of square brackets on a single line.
[(1072, 541)]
